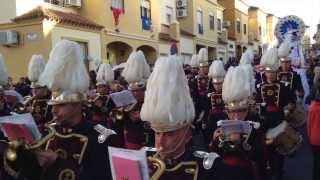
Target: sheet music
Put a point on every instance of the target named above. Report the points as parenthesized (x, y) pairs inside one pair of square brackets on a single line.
[(139, 155), (123, 98), (25, 119)]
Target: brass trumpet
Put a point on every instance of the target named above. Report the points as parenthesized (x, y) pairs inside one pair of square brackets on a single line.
[(11, 152), (11, 155), (120, 112)]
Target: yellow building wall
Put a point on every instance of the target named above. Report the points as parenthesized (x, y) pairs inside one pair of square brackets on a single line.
[(188, 23), (125, 45), (17, 58), (129, 23), (130, 27), (93, 39), (8, 10), (209, 37), (241, 38), (271, 23), (229, 15), (253, 25)]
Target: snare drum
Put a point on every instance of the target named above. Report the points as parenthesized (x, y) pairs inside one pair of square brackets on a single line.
[(296, 118), (286, 139)]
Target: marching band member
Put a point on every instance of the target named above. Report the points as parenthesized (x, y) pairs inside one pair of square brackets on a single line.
[(217, 108), (77, 149), (286, 74), (37, 103), (13, 98), (4, 108), (137, 132), (192, 76), (241, 151), (100, 105), (203, 83), (273, 97), (170, 110)]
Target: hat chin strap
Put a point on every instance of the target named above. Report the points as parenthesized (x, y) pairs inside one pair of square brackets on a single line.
[(165, 153)]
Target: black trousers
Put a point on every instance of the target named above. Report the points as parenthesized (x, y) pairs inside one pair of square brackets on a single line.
[(276, 163), (316, 162)]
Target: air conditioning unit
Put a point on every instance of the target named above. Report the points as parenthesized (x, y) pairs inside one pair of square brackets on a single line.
[(9, 38), (72, 3), (181, 13), (226, 24), (181, 3)]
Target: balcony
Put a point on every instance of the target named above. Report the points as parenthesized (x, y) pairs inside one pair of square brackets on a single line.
[(170, 32), (223, 37), (65, 3)]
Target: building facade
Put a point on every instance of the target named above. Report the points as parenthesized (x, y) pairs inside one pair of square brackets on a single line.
[(258, 34), (236, 12), (37, 30)]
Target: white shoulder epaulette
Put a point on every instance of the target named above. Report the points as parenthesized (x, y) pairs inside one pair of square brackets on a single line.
[(104, 133), (208, 158)]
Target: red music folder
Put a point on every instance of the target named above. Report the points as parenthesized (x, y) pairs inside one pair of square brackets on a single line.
[(126, 169), (17, 131)]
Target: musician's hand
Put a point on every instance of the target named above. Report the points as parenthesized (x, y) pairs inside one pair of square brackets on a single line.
[(46, 158), (235, 137), (216, 134), (135, 116), (269, 141)]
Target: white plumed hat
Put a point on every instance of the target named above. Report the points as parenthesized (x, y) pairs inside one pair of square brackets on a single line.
[(203, 57), (65, 74), (136, 70), (269, 60), (247, 57), (3, 72), (217, 71), (168, 105), (105, 74), (236, 88), (35, 68), (285, 48), (194, 61)]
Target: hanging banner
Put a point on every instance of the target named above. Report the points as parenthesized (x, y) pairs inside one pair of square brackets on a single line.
[(117, 8)]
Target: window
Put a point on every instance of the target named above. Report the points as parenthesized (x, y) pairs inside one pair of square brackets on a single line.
[(55, 2), (238, 26), (244, 29), (146, 8), (219, 24), (200, 21), (169, 15), (117, 4), (211, 22), (146, 15)]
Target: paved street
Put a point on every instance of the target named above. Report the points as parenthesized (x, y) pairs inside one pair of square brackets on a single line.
[(299, 167)]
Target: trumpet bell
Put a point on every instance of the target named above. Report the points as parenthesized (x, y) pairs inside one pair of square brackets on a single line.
[(11, 154)]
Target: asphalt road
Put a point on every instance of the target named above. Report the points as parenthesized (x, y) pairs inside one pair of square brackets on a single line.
[(299, 167)]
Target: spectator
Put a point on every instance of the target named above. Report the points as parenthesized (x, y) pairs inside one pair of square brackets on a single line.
[(314, 125), (22, 87)]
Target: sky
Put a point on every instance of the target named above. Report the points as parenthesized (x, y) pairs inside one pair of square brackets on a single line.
[(308, 10)]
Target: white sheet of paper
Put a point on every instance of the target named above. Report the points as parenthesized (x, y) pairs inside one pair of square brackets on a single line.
[(123, 98), (139, 155), (25, 119)]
